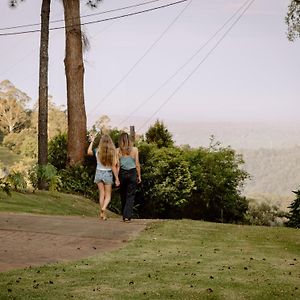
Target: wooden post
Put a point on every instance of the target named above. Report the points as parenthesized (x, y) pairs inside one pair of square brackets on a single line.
[(132, 134)]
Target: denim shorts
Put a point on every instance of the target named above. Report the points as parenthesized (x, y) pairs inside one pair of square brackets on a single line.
[(104, 175)]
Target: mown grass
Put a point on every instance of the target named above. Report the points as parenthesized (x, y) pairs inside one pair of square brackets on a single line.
[(50, 203), (7, 157), (175, 260)]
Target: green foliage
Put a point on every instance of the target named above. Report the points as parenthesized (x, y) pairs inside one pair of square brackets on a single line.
[(79, 179), (1, 136), (23, 138), (167, 182), (13, 114), (16, 181), (57, 119), (218, 180), (263, 214), (28, 148), (294, 213), (292, 20), (57, 151), (115, 134), (12, 180), (7, 157), (159, 135), (24, 142), (5, 186), (11, 141), (48, 174)]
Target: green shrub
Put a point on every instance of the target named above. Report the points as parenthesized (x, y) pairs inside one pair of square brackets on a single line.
[(24, 142), (57, 151), (5, 186), (48, 174), (166, 181), (218, 184), (16, 181), (79, 179), (263, 214)]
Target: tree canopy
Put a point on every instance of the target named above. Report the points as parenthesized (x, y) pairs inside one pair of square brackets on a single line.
[(13, 102), (159, 135), (292, 20)]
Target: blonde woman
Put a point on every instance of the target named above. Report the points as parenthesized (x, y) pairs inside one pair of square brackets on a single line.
[(129, 174), (106, 167)]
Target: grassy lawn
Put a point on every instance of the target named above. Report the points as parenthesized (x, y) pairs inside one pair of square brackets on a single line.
[(50, 203), (7, 157), (175, 260)]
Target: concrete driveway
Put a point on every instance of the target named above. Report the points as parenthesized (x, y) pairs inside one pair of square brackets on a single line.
[(32, 240)]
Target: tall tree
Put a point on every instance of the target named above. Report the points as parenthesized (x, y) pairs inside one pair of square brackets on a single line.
[(294, 213), (43, 90), (292, 20), (13, 113), (43, 86), (74, 77), (74, 69), (159, 135)]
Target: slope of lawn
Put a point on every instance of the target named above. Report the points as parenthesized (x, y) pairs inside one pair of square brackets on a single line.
[(181, 259), (50, 203)]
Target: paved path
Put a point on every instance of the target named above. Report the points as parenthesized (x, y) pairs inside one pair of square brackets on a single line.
[(31, 240)]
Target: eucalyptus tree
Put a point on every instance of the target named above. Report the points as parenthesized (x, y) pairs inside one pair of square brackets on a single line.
[(13, 113), (74, 69), (43, 86), (43, 90)]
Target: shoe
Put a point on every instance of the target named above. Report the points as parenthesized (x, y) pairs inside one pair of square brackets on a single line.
[(126, 219)]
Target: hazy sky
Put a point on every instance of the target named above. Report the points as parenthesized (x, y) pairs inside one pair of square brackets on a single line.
[(253, 74)]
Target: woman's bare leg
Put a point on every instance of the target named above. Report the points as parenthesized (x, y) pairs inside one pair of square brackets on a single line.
[(107, 198), (101, 197)]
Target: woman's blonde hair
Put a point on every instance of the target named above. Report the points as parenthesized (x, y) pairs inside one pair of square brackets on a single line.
[(106, 151), (125, 143)]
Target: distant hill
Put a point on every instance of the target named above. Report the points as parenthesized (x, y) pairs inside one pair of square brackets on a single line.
[(239, 135), (275, 173), (271, 152)]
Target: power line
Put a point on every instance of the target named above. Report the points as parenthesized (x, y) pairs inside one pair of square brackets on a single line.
[(197, 67), (142, 57), (24, 57), (98, 21), (81, 17), (185, 64)]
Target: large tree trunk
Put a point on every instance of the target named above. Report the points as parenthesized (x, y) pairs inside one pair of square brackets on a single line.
[(43, 90), (74, 75)]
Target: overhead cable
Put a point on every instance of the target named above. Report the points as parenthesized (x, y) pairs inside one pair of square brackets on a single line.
[(183, 65), (142, 57), (97, 21), (83, 16), (197, 67)]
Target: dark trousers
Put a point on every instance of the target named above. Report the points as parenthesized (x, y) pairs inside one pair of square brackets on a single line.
[(128, 185)]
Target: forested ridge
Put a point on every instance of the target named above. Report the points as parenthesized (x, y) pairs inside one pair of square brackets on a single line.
[(275, 173)]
